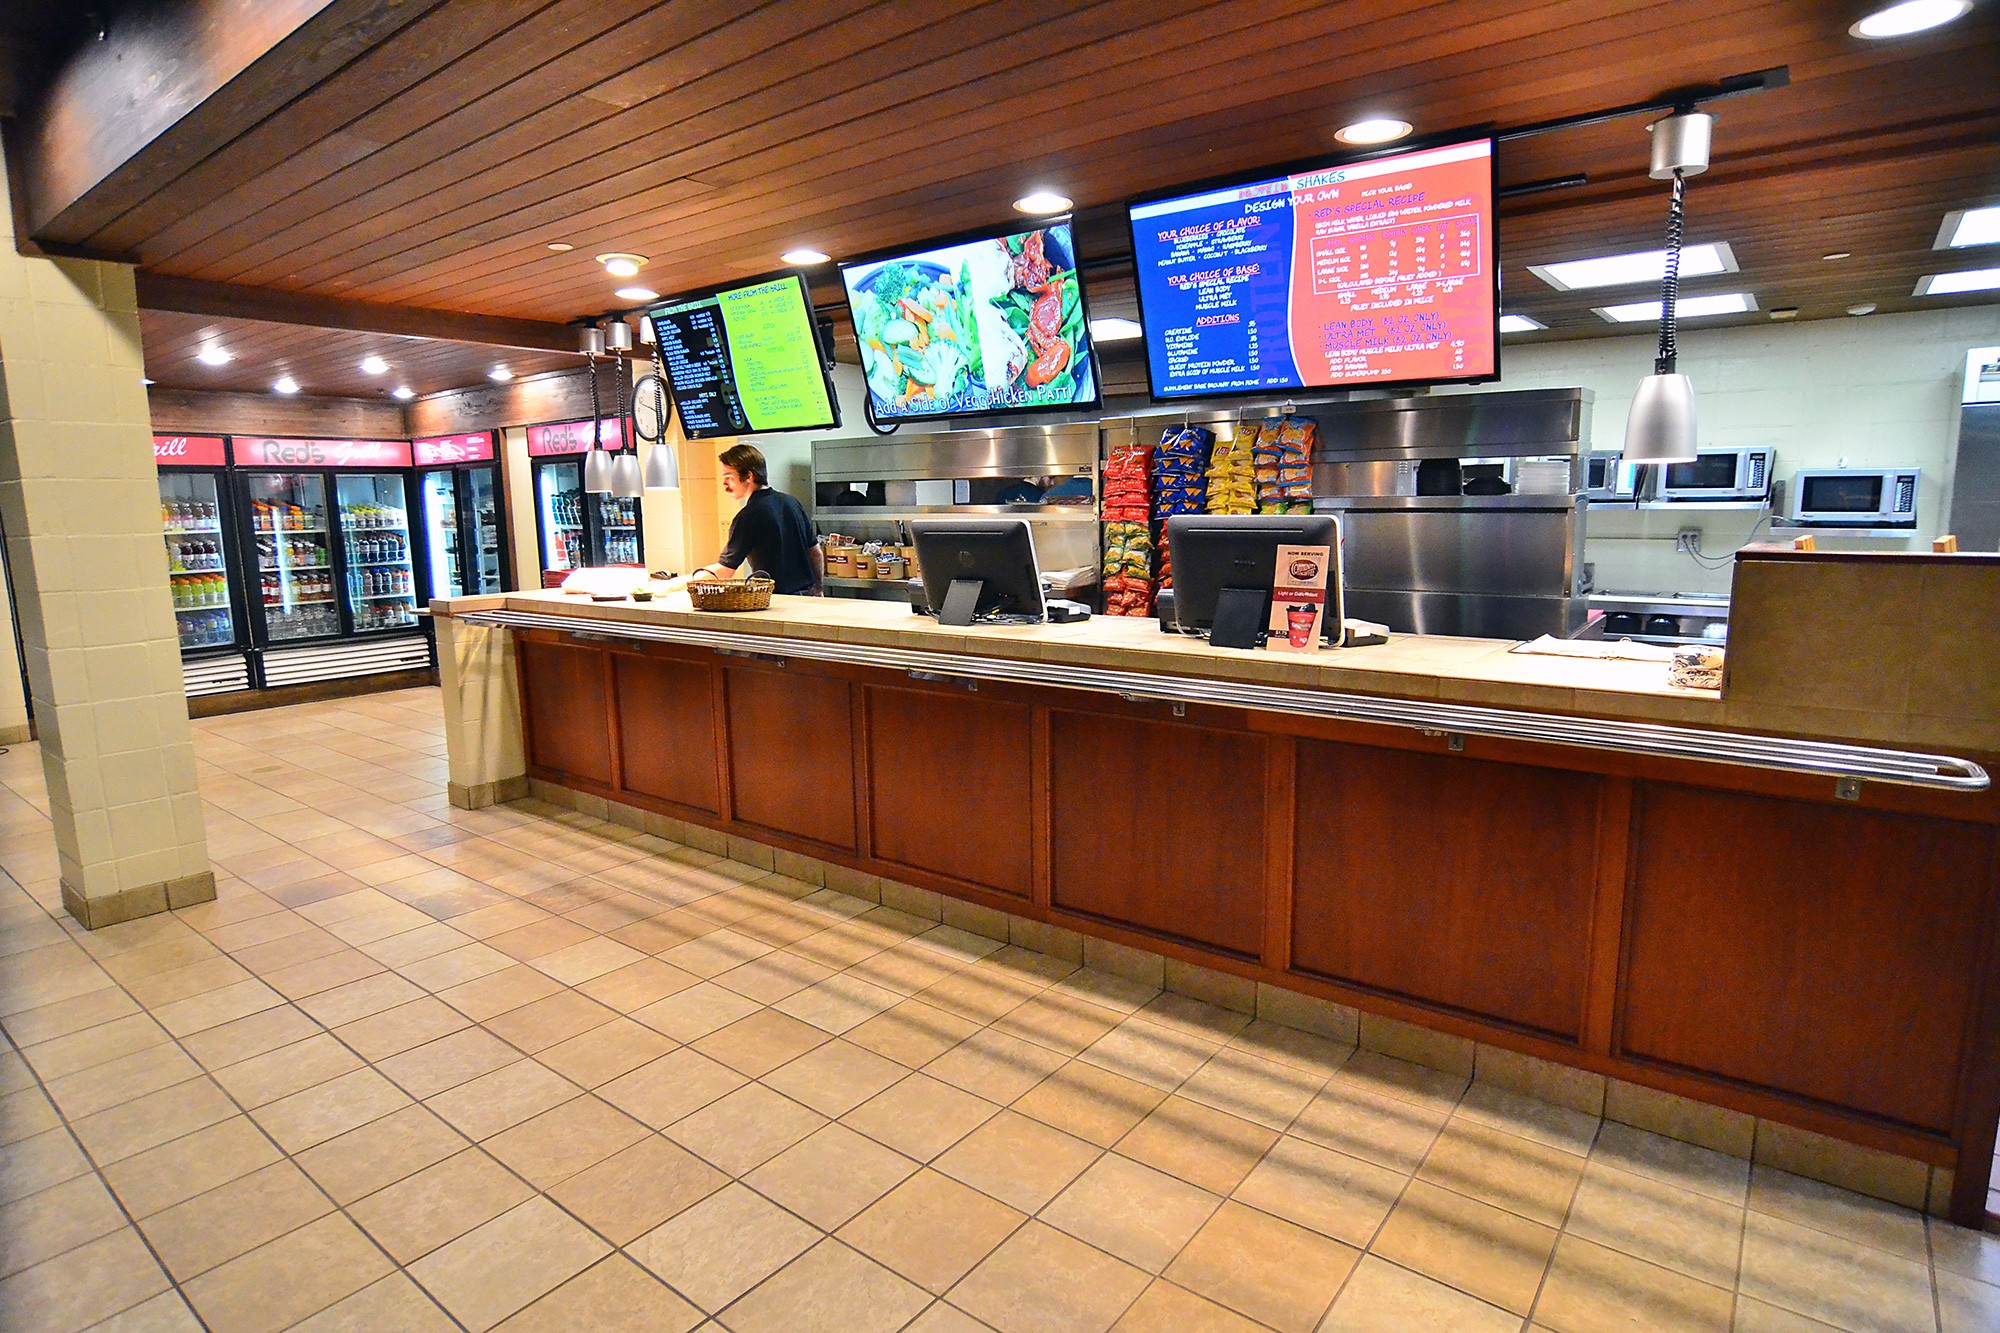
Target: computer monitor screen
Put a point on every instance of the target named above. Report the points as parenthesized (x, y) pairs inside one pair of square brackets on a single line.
[(1215, 551), (978, 569)]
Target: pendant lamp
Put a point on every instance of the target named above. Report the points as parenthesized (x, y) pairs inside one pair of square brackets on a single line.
[(625, 476), (650, 414), (663, 470), (596, 463), (1661, 428)]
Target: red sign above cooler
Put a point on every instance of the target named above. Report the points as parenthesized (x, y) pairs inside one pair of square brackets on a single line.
[(443, 449), (189, 451), (572, 437), (322, 453)]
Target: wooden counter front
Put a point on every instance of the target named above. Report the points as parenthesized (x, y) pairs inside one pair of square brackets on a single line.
[(1732, 934)]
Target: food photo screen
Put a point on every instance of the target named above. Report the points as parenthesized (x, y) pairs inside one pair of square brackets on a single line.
[(975, 327), (745, 359), (1377, 271)]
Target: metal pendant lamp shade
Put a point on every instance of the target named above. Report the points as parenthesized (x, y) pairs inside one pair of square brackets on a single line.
[(625, 476), (597, 472), (1661, 428), (663, 470)]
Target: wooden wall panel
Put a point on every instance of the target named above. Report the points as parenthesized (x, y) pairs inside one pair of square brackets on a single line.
[(949, 781), (791, 753), (1447, 880), (568, 722), (666, 729), (1804, 947), (1160, 826)]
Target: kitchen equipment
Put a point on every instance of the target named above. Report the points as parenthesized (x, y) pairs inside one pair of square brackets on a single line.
[(1607, 476), (1720, 475), (1855, 497)]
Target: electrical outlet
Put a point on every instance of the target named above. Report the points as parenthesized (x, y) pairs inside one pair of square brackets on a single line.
[(1688, 539)]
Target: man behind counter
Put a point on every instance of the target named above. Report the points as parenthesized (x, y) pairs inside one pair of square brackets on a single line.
[(771, 532)]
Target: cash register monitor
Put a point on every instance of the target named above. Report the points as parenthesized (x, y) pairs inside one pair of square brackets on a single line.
[(1230, 562), (978, 569)]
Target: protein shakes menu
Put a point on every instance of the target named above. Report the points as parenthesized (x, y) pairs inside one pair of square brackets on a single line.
[(745, 359), (1375, 272)]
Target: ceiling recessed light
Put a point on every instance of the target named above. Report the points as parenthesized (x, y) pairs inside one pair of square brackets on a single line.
[(499, 374), (561, 247), (1910, 16), (1044, 201), (404, 392), (1967, 280), (1379, 129), (1838, 254), (213, 356), (1111, 329), (1969, 226), (1697, 261), (1861, 308), (622, 265), (285, 384), (1785, 312), (1688, 307), (1519, 324), (373, 365), (636, 294), (804, 258)]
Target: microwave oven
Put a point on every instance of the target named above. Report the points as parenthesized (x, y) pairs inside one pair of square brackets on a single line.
[(1607, 476), (1719, 474), (1855, 497)]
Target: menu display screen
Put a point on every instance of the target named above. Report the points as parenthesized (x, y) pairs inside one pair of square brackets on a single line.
[(745, 359), (1383, 271), (983, 326)]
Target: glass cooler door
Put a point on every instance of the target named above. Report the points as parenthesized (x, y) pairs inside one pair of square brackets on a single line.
[(617, 531), (381, 582), (294, 569), (198, 570), (559, 504), (441, 532), (484, 535)]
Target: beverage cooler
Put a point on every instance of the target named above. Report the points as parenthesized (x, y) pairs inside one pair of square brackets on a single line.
[(463, 517), (574, 527), (332, 560), (197, 516)]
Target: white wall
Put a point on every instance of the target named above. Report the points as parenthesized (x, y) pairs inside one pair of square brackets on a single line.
[(1881, 390)]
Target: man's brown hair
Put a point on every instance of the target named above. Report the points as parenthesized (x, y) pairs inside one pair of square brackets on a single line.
[(749, 460)]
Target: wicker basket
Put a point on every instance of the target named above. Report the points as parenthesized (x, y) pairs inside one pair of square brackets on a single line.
[(751, 594)]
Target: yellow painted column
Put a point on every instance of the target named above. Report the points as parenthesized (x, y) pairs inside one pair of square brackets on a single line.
[(80, 504)]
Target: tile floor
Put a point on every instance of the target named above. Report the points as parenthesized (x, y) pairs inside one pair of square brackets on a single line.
[(419, 1068)]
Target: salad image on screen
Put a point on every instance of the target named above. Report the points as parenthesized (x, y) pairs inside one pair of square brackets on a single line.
[(992, 325)]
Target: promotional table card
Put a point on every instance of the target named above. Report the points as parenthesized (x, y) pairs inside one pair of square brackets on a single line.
[(1298, 599)]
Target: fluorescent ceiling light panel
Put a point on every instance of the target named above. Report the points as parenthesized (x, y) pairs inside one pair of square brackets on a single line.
[(1969, 226), (1519, 324), (1111, 329), (1688, 307), (1950, 284), (1697, 261)]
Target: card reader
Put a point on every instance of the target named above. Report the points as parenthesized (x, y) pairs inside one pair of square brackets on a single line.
[(1061, 612)]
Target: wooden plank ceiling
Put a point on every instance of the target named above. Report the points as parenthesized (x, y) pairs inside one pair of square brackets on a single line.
[(711, 135)]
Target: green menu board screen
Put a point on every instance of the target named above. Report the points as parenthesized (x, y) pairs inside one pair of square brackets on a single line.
[(746, 359)]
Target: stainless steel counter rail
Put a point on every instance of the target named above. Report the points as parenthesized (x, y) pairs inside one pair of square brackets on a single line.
[(1842, 762)]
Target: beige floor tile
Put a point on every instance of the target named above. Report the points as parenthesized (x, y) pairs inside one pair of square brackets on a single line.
[(912, 1033), (744, 1129), (714, 953), (32, 1165), (1531, 1179), (440, 1203), (981, 994), (995, 1066), (1348, 1117), (1060, 1021), (1846, 1214), (1966, 1306), (61, 1017), (828, 1289), (360, 999), (167, 1312), (1250, 1087), (1335, 1195), (394, 1302), (931, 1229), (426, 1070), (830, 1176), (614, 1295), (193, 1164), (1198, 1143), (545, 1022), (495, 993), (380, 1153), (54, 1221), (115, 1082), (634, 1190), (233, 1219), (1093, 1104), (82, 1286), (693, 1013), (1389, 1077), (502, 1099), (128, 1130), (638, 984), (942, 1318), (197, 1013), (400, 1029), (674, 1086), (586, 960), (289, 1069), (1491, 1253), (1264, 1267), (1972, 1254), (1754, 1316), (605, 1052), (1149, 1053), (1529, 1118), (1683, 1165), (321, 974), (756, 1045), (498, 1268), (835, 1077), (1382, 1298), (906, 968), (281, 954), (280, 1283), (723, 1246), (319, 1113), (1042, 1281), (1018, 1161), (93, 1046), (1129, 1210), (919, 1116), (411, 946), (235, 1042), (564, 1140), (1591, 1289), (1832, 1279), (839, 1004), (1288, 1045), (1652, 1220), (1166, 1308)]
